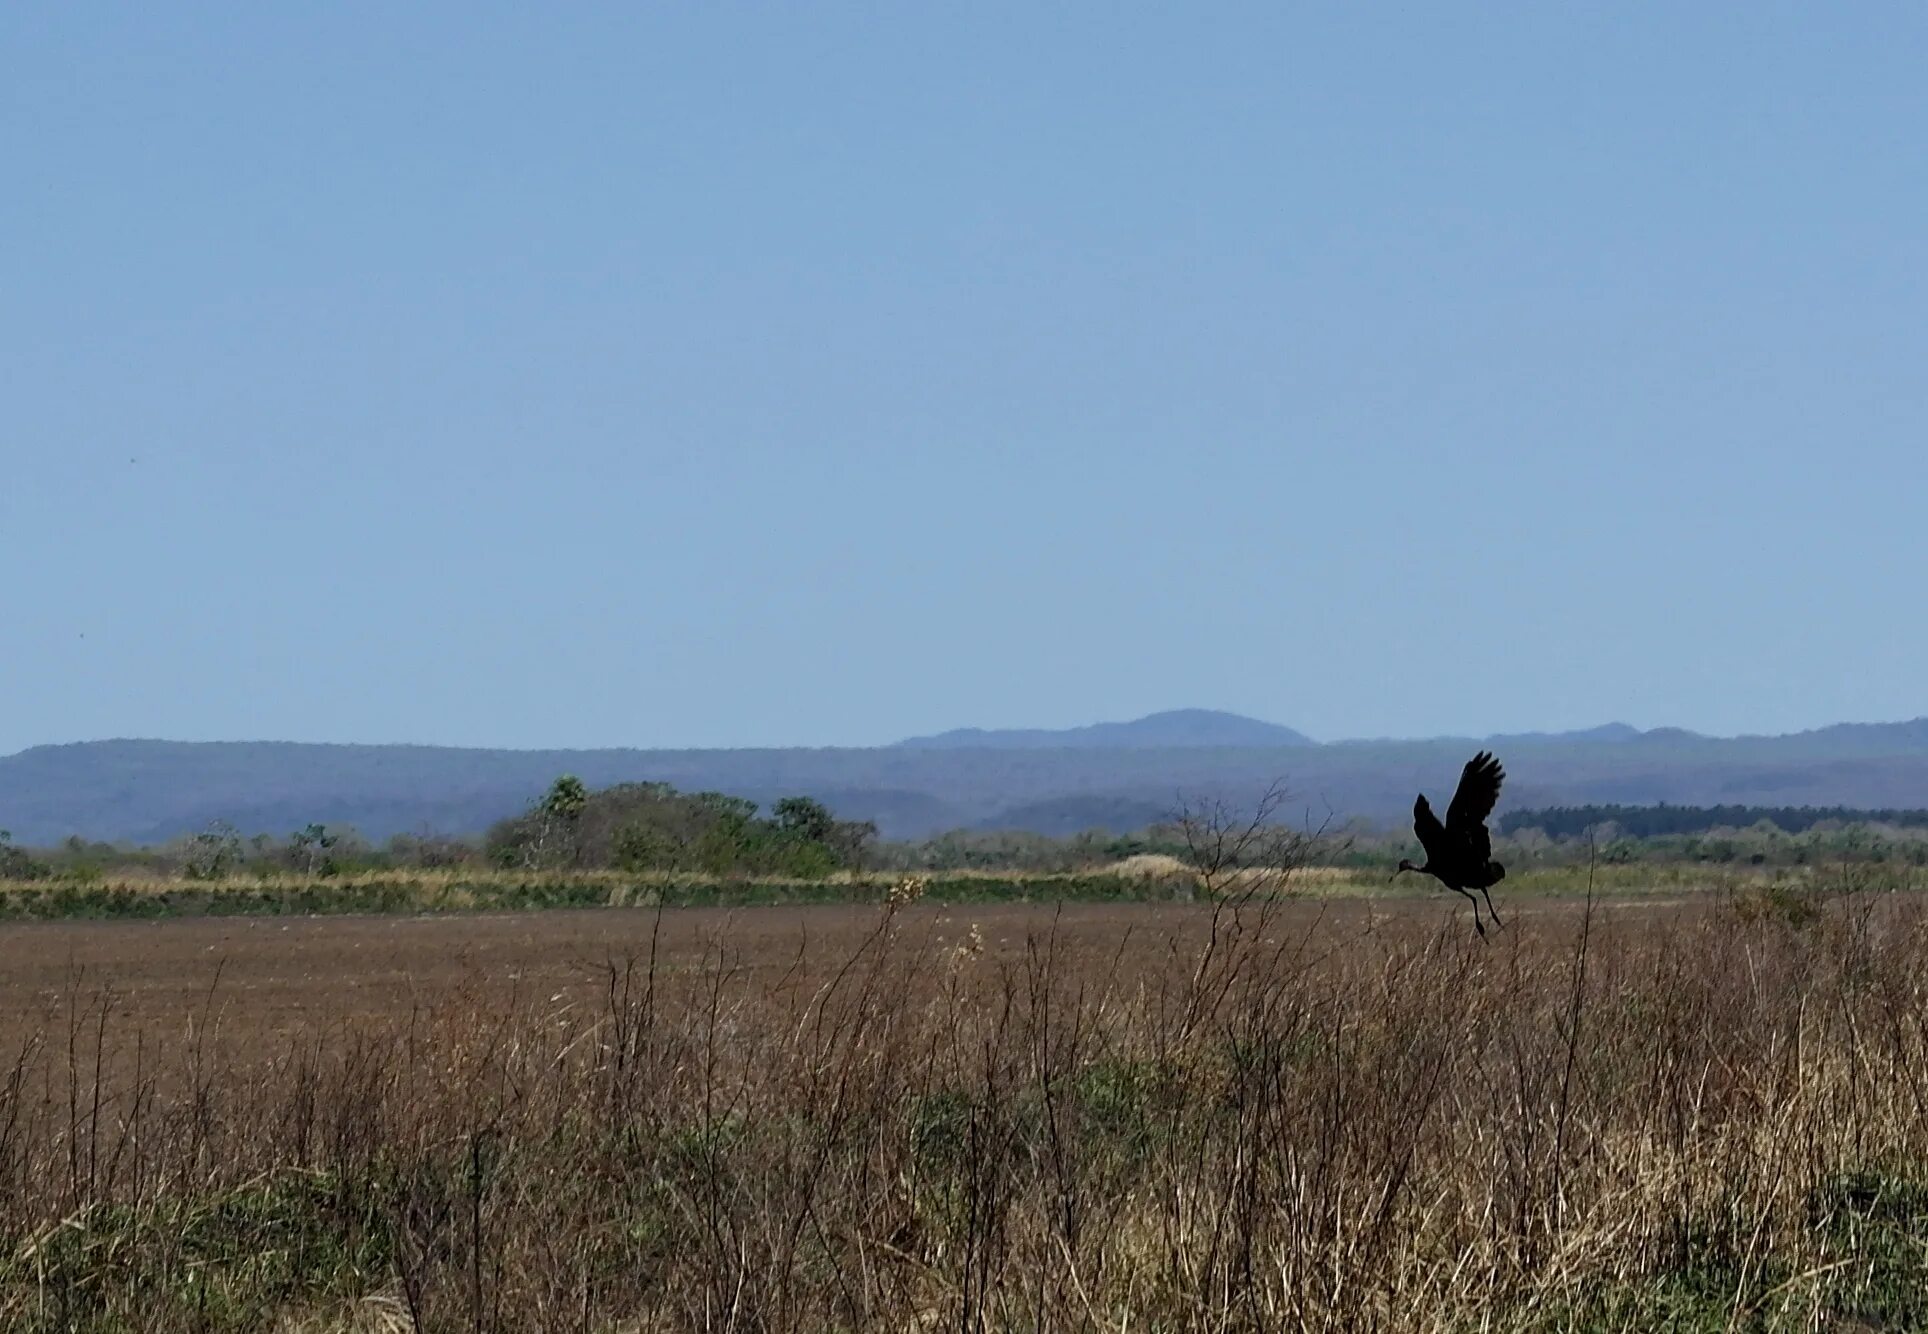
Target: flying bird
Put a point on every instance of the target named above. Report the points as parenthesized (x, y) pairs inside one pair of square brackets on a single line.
[(1459, 853)]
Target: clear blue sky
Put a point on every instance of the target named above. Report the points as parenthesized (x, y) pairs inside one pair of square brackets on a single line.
[(728, 375)]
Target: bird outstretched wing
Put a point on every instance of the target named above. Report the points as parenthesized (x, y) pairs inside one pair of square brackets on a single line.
[(1432, 834), (1479, 789)]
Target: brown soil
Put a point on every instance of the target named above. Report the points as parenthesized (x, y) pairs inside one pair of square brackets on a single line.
[(268, 978)]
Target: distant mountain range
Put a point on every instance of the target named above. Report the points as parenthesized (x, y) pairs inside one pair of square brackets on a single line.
[(1110, 775), (1178, 727), (1183, 728)]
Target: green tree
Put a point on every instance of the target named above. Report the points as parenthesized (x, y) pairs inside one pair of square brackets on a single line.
[(558, 816), (312, 848), (805, 818), (212, 853), (643, 847), (15, 863), (726, 846), (566, 798)]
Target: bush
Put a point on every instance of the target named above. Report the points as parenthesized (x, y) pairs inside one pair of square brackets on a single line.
[(653, 827), (16, 864)]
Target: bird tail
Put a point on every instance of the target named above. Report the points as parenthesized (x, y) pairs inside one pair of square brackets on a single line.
[(1495, 873)]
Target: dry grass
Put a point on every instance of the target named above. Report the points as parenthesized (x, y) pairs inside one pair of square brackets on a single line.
[(147, 881), (1151, 866), (1145, 876), (470, 890), (1270, 1118), (429, 881), (1161, 868)]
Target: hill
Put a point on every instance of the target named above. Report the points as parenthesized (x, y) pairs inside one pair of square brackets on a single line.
[(152, 790), (1173, 728)]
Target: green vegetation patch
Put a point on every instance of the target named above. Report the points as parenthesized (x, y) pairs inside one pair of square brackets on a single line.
[(1863, 1265), (499, 892), (230, 1260)]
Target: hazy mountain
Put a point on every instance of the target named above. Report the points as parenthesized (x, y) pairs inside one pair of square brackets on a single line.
[(152, 790), (1061, 817), (1607, 732), (1173, 728)]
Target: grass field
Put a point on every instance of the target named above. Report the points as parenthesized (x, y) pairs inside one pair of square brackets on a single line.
[(1139, 879), (1344, 1110)]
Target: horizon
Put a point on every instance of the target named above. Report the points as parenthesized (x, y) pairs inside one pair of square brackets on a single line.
[(717, 380), (1518, 733)]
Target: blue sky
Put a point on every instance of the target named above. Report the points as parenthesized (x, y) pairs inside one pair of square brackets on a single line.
[(729, 375)]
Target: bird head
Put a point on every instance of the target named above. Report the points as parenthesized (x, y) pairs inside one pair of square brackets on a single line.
[(1404, 865)]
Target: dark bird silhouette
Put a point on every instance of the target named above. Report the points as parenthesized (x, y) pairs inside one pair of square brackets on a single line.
[(1459, 853)]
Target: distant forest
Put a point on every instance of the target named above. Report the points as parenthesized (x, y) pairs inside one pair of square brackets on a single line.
[(1663, 820)]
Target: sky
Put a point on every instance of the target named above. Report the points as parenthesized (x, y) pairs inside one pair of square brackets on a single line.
[(735, 375)]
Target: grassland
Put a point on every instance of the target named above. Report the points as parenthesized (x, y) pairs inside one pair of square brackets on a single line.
[(515, 891), (1137, 880), (1334, 1112)]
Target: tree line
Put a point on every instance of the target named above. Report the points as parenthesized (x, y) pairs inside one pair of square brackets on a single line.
[(628, 827), (1664, 821), (653, 827)]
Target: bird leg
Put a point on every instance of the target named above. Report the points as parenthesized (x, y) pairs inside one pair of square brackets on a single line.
[(1490, 908), (1478, 925)]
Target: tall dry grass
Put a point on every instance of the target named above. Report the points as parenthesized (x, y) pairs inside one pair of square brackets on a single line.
[(1273, 1119)]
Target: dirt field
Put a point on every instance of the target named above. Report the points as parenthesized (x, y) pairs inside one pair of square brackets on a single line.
[(268, 978), (271, 976), (1348, 1113)]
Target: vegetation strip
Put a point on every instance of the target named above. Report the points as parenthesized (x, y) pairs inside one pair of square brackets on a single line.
[(509, 892)]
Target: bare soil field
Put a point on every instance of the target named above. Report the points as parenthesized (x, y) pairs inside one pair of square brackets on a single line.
[(267, 979)]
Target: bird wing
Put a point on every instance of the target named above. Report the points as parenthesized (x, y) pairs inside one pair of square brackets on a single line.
[(1479, 789), (1432, 834)]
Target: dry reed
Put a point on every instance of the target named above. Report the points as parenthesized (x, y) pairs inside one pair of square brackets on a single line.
[(1274, 1119)]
